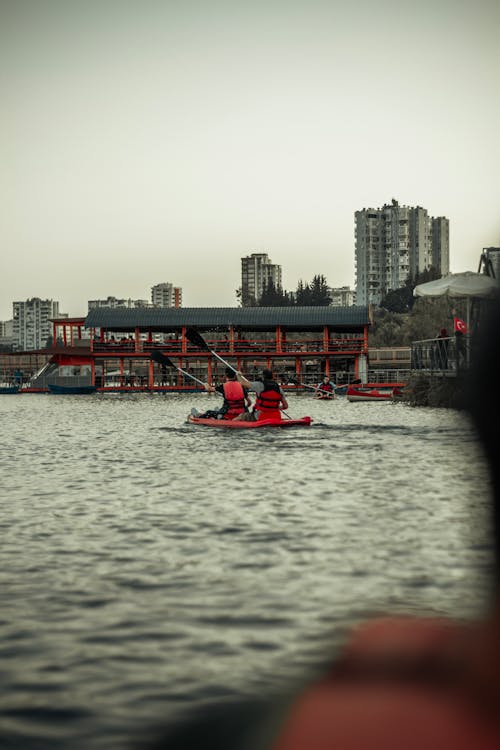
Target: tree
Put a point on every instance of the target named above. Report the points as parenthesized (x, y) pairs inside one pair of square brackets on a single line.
[(402, 300), (399, 300), (314, 294), (274, 296), (320, 295), (303, 294)]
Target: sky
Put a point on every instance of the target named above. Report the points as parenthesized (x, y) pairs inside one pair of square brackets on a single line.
[(153, 141)]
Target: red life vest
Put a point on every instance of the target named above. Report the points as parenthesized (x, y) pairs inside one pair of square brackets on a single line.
[(326, 387), (268, 402), (234, 399)]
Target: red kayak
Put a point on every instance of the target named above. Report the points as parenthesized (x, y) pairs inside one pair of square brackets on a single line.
[(235, 424), (372, 392)]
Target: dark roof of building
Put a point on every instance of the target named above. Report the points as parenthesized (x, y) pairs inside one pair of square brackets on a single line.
[(211, 318)]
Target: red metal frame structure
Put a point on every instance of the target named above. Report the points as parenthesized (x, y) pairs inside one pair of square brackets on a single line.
[(113, 346)]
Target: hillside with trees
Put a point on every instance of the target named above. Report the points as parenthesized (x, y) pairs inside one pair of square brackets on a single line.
[(402, 318)]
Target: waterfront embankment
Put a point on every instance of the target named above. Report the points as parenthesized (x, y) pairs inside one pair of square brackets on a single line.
[(434, 390)]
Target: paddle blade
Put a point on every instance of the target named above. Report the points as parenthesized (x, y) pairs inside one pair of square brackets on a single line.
[(161, 359), (196, 339)]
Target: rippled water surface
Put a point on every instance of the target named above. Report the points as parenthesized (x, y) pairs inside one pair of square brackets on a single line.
[(148, 565)]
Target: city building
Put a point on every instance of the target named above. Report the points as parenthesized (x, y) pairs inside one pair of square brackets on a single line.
[(342, 296), (6, 334), (31, 326), (492, 257), (115, 302), (394, 243), (257, 270), (166, 295)]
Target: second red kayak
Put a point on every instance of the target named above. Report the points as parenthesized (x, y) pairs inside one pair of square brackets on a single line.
[(235, 424)]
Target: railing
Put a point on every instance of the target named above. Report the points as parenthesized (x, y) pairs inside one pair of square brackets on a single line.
[(440, 354), (239, 346), (388, 376)]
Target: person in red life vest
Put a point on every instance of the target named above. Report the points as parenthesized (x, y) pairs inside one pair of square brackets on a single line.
[(236, 400), (325, 389), (270, 398)]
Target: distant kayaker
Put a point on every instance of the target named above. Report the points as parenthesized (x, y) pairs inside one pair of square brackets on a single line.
[(236, 400), (270, 398), (325, 388)]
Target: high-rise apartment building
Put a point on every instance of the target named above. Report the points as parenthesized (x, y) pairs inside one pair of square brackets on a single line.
[(31, 326), (166, 295), (257, 270), (394, 243), (117, 302)]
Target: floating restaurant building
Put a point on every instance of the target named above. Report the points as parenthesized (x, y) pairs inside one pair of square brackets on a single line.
[(112, 347)]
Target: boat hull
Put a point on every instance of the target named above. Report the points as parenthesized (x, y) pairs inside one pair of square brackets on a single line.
[(79, 390), (372, 394), (5, 390), (235, 424)]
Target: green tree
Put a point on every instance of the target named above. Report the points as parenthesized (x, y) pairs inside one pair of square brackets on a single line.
[(402, 300), (303, 294), (315, 293), (399, 300), (320, 295), (274, 296)]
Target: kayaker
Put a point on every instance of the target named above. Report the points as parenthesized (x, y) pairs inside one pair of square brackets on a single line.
[(270, 398), (236, 400), (325, 388)]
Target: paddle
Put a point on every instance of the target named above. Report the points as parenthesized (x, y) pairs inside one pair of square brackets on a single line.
[(161, 359), (315, 388), (197, 340)]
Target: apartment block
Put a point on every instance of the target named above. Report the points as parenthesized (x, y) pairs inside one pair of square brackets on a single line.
[(342, 296), (492, 255), (166, 295), (31, 326), (6, 334), (257, 270), (116, 302), (394, 243)]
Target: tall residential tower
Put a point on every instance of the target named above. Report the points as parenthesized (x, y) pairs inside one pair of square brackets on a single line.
[(257, 270), (394, 243), (166, 295), (31, 326)]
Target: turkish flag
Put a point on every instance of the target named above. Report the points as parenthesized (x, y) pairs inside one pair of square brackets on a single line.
[(459, 326)]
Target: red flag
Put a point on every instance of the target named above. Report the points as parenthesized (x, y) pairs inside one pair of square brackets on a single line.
[(459, 326)]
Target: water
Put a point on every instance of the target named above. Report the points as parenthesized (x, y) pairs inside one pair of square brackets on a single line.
[(147, 565)]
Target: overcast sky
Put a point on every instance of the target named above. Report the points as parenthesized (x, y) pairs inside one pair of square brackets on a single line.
[(154, 141)]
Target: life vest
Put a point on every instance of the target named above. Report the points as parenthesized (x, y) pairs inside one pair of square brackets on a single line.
[(268, 402), (326, 387), (234, 399)]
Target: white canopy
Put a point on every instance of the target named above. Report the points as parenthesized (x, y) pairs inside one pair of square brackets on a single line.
[(466, 284)]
